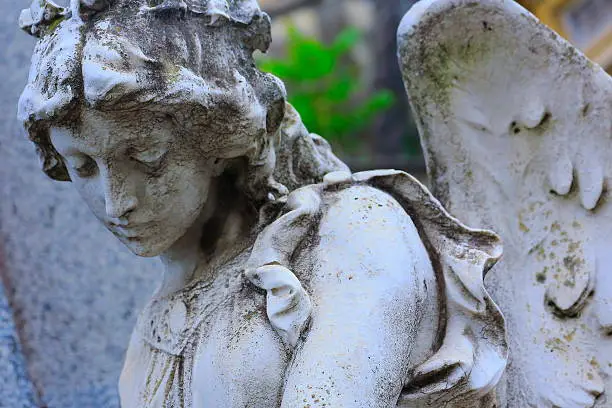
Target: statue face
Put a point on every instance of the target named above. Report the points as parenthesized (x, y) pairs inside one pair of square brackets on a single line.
[(144, 179)]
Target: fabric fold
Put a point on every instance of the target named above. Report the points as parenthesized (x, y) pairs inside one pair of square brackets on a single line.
[(268, 268)]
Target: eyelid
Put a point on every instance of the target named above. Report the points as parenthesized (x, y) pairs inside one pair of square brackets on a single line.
[(77, 161), (149, 156), (83, 165)]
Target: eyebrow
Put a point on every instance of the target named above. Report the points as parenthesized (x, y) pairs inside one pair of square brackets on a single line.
[(162, 147)]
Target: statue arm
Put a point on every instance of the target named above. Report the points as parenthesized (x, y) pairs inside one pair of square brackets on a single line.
[(372, 298), (371, 291)]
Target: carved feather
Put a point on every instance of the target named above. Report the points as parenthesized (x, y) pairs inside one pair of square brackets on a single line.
[(516, 128)]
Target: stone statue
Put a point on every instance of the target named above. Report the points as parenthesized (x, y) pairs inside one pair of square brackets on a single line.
[(516, 126), (289, 281)]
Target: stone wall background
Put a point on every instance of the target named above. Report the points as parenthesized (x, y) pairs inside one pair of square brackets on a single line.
[(16, 389)]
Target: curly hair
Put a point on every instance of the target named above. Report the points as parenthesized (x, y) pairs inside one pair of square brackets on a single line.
[(191, 60)]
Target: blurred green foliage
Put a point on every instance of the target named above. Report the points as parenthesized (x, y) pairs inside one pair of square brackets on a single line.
[(326, 88)]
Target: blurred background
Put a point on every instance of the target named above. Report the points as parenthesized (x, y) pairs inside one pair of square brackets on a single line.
[(338, 59), (70, 292)]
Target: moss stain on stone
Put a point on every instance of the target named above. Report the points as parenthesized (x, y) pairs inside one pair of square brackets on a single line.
[(541, 276), (250, 315), (441, 60), (55, 23)]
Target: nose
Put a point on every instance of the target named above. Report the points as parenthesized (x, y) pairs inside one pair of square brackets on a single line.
[(118, 209), (119, 197)]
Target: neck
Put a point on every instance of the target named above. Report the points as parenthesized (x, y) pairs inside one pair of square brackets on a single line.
[(181, 261), (224, 224)]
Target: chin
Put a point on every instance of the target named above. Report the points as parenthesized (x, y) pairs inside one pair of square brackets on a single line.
[(145, 248)]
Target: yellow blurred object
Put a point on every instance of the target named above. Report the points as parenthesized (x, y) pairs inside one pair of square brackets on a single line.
[(585, 23)]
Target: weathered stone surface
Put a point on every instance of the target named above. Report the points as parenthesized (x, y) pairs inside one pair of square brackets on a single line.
[(517, 130), (16, 389), (75, 291), (286, 277)]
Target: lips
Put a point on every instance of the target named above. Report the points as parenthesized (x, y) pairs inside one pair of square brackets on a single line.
[(126, 233), (130, 231)]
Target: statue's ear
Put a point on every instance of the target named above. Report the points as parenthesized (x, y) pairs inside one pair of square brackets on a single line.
[(274, 98), (219, 166), (259, 33), (276, 113)]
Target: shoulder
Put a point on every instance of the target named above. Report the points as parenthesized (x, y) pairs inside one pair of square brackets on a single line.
[(350, 243), (363, 204), (350, 225), (348, 222), (367, 237), (367, 216)]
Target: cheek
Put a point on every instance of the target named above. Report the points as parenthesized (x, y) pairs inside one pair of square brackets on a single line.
[(180, 192), (92, 194)]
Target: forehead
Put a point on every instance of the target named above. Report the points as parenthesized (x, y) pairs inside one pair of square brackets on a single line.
[(100, 133), (133, 122), (125, 60)]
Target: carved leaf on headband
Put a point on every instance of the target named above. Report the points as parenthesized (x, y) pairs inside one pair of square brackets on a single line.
[(96, 5), (240, 11), (41, 17)]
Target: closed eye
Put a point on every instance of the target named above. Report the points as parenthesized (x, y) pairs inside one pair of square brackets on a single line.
[(84, 166), (153, 158)]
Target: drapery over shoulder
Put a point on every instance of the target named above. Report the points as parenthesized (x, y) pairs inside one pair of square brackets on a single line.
[(472, 351)]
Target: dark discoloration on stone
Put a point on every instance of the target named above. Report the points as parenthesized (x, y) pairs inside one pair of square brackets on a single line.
[(16, 389)]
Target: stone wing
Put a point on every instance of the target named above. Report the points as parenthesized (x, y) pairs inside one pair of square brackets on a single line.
[(516, 126)]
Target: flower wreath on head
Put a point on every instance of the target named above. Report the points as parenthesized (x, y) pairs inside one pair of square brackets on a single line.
[(43, 16)]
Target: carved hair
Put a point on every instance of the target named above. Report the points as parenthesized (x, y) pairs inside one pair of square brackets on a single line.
[(114, 55)]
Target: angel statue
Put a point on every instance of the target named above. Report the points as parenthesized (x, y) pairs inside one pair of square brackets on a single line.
[(289, 282), (516, 126)]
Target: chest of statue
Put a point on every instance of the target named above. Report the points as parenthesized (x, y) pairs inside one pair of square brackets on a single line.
[(208, 346)]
